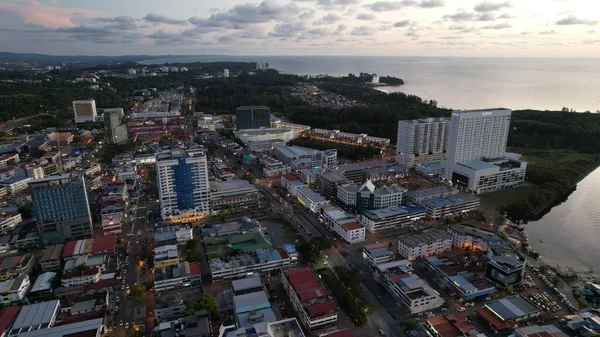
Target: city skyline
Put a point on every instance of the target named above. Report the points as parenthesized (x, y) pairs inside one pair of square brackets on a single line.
[(552, 28)]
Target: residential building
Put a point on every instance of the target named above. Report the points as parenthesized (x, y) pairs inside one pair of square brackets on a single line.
[(35, 317), (85, 111), (99, 245), (80, 278), (52, 258), (13, 266), (476, 158), (184, 192), (183, 275), (477, 239), (127, 172), (421, 140), (178, 234), (452, 326), (466, 284), (8, 159), (368, 196), (451, 205), (504, 314), (15, 184), (505, 266), (93, 327), (233, 194), (378, 253), (311, 176), (115, 131), (539, 330), (165, 256), (353, 139), (291, 183), (15, 289), (8, 221), (61, 208), (315, 308), (290, 154), (423, 194), (329, 158), (247, 285), (258, 262), (311, 199), (30, 171), (252, 117), (393, 217), (43, 284), (427, 243)]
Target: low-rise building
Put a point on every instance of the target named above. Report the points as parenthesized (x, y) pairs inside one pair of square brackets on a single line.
[(43, 284), (427, 243), (36, 317), (8, 221), (452, 326), (79, 278), (14, 290), (98, 245), (178, 234), (247, 285), (8, 159), (311, 176), (451, 205), (329, 183), (233, 194), (505, 313), (165, 256), (423, 194), (311, 199), (52, 258), (13, 266), (368, 196), (351, 232), (93, 327), (477, 239), (273, 167), (7, 318), (183, 275), (290, 154), (291, 183), (16, 184), (466, 284), (505, 266), (315, 308), (258, 262), (393, 217), (539, 330), (377, 254)]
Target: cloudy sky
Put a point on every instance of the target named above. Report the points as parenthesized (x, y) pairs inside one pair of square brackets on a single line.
[(534, 28)]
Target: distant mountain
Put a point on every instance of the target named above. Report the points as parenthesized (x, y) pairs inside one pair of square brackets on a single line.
[(54, 59)]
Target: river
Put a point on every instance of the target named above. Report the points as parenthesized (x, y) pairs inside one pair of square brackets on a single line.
[(569, 235)]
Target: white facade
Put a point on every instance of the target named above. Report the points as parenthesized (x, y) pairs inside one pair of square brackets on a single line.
[(9, 220), (226, 73), (392, 217), (377, 254), (329, 159), (421, 140), (311, 199), (247, 264), (14, 290), (85, 111), (183, 180), (265, 134), (432, 242), (351, 231), (15, 184), (184, 279), (79, 279), (416, 294)]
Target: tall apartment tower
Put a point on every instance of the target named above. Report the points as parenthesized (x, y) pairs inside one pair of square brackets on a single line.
[(116, 132), (252, 117), (183, 185), (226, 73), (85, 111), (61, 208), (421, 141)]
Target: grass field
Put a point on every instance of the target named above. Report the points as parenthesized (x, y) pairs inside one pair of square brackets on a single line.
[(499, 200)]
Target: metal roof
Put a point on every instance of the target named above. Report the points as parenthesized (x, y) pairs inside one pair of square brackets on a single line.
[(69, 329), (250, 302), (512, 307), (34, 315), (246, 283)]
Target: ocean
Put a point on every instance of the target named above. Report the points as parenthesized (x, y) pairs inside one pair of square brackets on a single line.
[(457, 82)]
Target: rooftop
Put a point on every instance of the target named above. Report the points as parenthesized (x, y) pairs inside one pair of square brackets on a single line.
[(512, 307), (35, 315), (478, 165), (476, 232), (246, 283), (43, 282), (306, 284), (52, 253), (541, 331), (313, 196), (425, 238), (379, 251), (340, 333), (429, 192), (294, 151), (394, 211), (350, 226), (99, 244), (13, 180), (451, 200), (250, 302), (7, 314), (71, 330), (231, 185)]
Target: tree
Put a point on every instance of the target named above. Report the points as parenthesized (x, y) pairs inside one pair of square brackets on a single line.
[(321, 243), (250, 178), (203, 302), (137, 292), (25, 211), (82, 267)]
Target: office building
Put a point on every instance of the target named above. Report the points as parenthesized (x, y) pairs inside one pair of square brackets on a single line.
[(252, 117), (393, 217), (292, 183), (165, 256), (290, 154), (258, 262), (421, 141), (505, 266), (311, 199), (423, 194), (455, 204), (378, 253), (351, 231), (184, 192), (431, 242), (329, 158), (35, 317), (476, 159), (311, 176), (182, 275), (116, 132), (477, 239), (61, 207), (311, 300), (504, 314), (368, 196), (233, 194), (85, 111), (329, 183)]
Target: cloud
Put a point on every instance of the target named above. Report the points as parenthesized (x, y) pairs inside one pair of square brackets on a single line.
[(403, 23), (387, 6), (505, 16), (498, 26), (98, 34), (548, 32), (116, 19), (365, 17), (572, 20), (487, 17), (462, 16), (159, 18), (332, 3), (328, 19), (264, 12), (488, 6), (462, 28), (450, 37), (362, 31), (287, 30)]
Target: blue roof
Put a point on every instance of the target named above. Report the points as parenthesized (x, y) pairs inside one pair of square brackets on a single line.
[(435, 261), (478, 165), (393, 211), (463, 283), (13, 180), (430, 165), (290, 248), (380, 251), (450, 200), (164, 236), (268, 255)]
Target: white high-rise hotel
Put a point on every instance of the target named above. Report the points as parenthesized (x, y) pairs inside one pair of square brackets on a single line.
[(184, 192), (476, 157)]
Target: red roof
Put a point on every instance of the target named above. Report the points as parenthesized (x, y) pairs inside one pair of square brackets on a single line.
[(492, 319), (194, 268), (306, 284), (101, 284), (290, 177), (7, 315), (99, 244), (77, 273), (341, 333), (321, 309), (350, 226), (282, 252)]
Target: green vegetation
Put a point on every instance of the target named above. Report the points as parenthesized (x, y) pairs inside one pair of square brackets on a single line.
[(137, 293), (193, 251), (203, 302), (345, 151), (502, 199), (348, 292), (361, 79), (311, 251)]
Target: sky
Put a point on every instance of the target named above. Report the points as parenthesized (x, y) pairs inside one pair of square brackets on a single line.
[(494, 28)]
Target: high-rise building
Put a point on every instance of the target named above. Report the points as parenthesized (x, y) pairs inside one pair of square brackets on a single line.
[(421, 140), (85, 111), (226, 73), (253, 117), (116, 132), (61, 208), (183, 185), (476, 159), (329, 159)]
